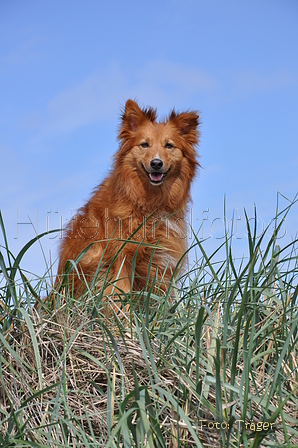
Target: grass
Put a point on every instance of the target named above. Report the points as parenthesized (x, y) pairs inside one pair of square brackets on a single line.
[(216, 367)]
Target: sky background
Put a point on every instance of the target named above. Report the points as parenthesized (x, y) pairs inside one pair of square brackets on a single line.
[(67, 67)]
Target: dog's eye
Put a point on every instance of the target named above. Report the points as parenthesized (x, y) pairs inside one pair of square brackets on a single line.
[(144, 145), (169, 145)]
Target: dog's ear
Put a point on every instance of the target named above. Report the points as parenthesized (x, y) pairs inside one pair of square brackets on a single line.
[(187, 124), (133, 116)]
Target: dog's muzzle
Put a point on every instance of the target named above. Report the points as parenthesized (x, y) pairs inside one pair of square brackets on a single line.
[(156, 174)]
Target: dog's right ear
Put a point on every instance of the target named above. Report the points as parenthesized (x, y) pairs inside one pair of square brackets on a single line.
[(133, 116)]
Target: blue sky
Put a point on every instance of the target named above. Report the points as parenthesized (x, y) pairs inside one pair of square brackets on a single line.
[(66, 67)]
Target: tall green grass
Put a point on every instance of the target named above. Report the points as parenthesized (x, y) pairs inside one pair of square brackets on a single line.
[(210, 363)]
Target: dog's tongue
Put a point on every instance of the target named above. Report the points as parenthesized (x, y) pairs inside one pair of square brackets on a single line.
[(156, 177)]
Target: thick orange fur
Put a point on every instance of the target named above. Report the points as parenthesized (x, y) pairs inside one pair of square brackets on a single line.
[(150, 184)]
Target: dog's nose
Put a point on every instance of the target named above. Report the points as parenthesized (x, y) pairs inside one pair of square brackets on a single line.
[(156, 164)]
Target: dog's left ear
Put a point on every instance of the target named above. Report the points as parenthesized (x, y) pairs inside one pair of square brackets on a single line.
[(187, 124)]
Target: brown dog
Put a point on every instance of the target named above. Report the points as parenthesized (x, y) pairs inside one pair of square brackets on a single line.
[(140, 207)]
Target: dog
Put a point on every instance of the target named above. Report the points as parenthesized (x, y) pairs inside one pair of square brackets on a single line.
[(135, 219)]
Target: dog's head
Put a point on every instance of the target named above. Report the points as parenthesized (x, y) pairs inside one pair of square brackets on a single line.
[(160, 151)]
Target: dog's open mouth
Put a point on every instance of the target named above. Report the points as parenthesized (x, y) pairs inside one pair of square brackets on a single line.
[(155, 177)]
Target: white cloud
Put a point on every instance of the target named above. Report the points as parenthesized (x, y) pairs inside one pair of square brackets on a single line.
[(92, 100), (100, 95), (187, 80), (162, 84), (20, 55), (252, 81)]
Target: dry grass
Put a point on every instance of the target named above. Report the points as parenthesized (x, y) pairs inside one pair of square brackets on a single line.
[(90, 371)]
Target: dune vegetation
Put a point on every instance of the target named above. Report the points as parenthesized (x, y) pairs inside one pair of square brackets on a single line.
[(213, 362)]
